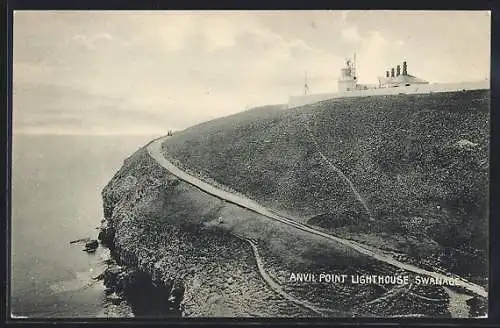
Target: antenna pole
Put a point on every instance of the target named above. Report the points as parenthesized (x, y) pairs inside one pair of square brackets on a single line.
[(306, 86), (354, 66)]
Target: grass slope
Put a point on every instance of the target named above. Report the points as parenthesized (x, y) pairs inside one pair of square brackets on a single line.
[(420, 162), (169, 230)]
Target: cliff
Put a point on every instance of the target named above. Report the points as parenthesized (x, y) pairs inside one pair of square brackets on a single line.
[(174, 258), (180, 251), (417, 165), (168, 263)]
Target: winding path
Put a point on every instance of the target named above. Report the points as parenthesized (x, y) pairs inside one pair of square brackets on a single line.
[(277, 287), (154, 149)]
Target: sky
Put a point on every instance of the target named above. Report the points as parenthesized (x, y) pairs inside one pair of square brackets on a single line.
[(146, 72)]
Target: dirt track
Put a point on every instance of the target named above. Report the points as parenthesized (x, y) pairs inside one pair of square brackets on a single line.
[(155, 151)]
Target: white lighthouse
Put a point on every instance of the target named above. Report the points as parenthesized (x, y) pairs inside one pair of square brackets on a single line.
[(348, 80)]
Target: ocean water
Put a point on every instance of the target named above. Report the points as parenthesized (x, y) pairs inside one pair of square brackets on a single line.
[(56, 198)]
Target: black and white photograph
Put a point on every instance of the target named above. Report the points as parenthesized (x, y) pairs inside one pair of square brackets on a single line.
[(250, 164)]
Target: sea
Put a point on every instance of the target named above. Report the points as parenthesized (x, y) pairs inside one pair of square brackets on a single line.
[(56, 198)]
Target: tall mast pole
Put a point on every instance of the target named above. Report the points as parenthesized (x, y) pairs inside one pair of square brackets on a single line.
[(354, 66), (306, 86)]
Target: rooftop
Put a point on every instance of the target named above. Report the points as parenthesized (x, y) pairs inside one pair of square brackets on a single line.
[(402, 79)]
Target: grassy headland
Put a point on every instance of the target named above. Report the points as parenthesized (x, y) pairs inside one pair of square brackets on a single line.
[(419, 162), (166, 233)]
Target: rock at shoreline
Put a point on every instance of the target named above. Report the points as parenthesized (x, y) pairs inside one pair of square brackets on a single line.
[(81, 240), (106, 235), (111, 275), (91, 246)]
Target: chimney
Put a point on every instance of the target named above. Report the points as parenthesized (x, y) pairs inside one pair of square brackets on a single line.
[(392, 72), (398, 70), (386, 73), (404, 69)]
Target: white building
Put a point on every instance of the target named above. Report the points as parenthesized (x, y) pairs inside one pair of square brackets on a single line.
[(399, 79), (395, 82)]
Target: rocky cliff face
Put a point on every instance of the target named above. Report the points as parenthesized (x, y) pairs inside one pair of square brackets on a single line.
[(173, 256), (167, 261), (133, 274)]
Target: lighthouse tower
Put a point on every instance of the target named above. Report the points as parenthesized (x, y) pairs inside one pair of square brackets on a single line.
[(348, 79)]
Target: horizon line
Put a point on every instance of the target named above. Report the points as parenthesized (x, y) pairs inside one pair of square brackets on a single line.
[(87, 134)]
